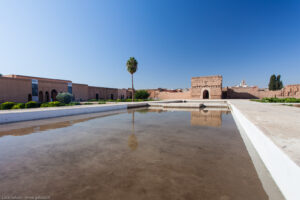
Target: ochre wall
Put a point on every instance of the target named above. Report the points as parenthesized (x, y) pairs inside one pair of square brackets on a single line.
[(45, 86), (213, 84), (155, 94), (15, 90), (231, 93), (103, 93), (123, 93), (292, 90), (80, 92), (37, 78), (255, 92)]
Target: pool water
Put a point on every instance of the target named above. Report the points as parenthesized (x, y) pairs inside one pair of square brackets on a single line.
[(138, 154)]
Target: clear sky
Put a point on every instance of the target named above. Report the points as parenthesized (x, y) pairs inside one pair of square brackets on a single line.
[(90, 41)]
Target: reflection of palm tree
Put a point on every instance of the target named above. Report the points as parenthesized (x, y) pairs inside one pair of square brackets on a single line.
[(132, 140)]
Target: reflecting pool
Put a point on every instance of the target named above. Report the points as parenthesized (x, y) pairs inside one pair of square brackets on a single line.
[(138, 154)]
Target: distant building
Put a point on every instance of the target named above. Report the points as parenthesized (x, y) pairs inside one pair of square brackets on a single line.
[(18, 88), (242, 84), (210, 87), (206, 87)]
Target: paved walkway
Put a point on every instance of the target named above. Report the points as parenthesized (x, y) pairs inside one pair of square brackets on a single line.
[(280, 123)]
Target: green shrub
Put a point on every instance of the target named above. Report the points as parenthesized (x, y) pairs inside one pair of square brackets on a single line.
[(141, 94), (52, 104), (88, 103), (43, 105), (101, 102), (277, 100), (292, 100), (91, 100), (64, 97), (18, 106), (31, 104), (7, 105), (73, 104)]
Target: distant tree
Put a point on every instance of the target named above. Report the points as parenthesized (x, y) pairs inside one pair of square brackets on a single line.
[(132, 65), (279, 84), (0, 74), (142, 94), (272, 83), (275, 82)]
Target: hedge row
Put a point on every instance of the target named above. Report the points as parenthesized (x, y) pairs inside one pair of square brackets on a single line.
[(118, 100), (129, 100), (33, 104), (278, 100)]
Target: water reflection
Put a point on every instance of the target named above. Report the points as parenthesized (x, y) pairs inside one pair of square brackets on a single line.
[(25, 128), (200, 117), (132, 140), (102, 158), (212, 118)]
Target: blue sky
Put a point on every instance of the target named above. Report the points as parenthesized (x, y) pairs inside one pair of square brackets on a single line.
[(90, 41)]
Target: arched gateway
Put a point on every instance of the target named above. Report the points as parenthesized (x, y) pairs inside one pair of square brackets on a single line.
[(205, 94), (53, 95)]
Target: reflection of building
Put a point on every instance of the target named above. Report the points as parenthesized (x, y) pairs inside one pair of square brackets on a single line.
[(206, 118)]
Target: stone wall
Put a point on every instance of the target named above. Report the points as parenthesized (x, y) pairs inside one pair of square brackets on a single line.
[(123, 94), (15, 90), (256, 93), (18, 88), (292, 90), (80, 92), (102, 93), (156, 94), (206, 87), (49, 89), (37, 78)]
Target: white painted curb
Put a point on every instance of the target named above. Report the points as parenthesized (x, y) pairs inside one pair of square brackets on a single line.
[(285, 172), (10, 116), (34, 114)]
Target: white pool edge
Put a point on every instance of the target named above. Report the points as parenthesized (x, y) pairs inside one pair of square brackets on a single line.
[(10, 116), (284, 171)]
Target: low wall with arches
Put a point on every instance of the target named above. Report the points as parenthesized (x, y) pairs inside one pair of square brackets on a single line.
[(21, 89)]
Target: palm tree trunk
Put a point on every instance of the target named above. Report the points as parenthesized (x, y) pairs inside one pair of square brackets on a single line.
[(132, 87)]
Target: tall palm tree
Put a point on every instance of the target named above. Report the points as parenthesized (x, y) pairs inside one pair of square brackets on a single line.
[(132, 66)]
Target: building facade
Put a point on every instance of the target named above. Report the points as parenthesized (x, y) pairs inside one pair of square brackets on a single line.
[(206, 87), (21, 89), (210, 87), (18, 88)]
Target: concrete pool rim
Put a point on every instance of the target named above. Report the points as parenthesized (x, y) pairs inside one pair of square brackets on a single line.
[(284, 171)]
